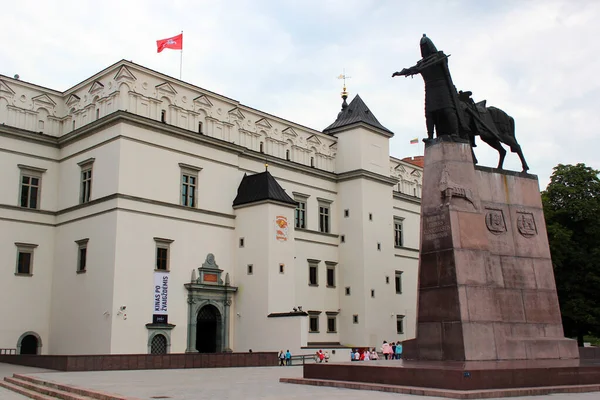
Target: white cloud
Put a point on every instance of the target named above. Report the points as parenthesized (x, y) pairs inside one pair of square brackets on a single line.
[(537, 60)]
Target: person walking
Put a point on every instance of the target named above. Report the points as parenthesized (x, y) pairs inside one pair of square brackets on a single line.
[(288, 358), (374, 355), (399, 350), (281, 359), (386, 349)]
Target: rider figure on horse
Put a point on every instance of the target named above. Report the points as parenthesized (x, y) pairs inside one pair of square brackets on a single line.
[(442, 107)]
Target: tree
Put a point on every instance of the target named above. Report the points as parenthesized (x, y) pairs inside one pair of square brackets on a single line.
[(572, 212)]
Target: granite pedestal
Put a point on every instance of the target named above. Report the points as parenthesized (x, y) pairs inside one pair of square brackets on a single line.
[(486, 284), (488, 311)]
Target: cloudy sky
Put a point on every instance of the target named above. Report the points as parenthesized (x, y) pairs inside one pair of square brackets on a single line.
[(537, 60)]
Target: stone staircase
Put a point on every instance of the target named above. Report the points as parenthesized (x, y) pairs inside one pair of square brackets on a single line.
[(40, 389)]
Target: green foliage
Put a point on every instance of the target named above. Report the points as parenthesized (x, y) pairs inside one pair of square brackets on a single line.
[(572, 211)]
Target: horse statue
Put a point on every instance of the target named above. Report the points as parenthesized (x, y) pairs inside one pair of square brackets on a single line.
[(493, 125)]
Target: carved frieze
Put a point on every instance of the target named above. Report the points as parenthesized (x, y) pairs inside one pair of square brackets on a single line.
[(452, 189)]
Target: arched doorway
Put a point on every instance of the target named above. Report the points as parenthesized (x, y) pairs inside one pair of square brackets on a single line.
[(208, 329), (29, 345)]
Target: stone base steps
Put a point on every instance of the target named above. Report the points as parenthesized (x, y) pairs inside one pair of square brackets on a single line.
[(447, 393), (41, 389)]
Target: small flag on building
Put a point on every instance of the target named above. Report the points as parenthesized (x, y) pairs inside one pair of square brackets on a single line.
[(175, 43), (414, 141)]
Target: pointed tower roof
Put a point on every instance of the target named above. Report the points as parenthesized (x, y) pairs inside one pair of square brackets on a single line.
[(261, 187), (356, 112)]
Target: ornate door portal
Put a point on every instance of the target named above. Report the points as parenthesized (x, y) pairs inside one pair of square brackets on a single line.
[(209, 300)]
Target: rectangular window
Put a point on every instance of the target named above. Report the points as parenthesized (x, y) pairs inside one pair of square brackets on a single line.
[(314, 323), (347, 290), (162, 253), (31, 182), (313, 274), (241, 242), (379, 246), (81, 255), (85, 194), (324, 218), (24, 263), (343, 238), (399, 323), (370, 216), (30, 188), (398, 282), (346, 213), (300, 215), (331, 276), (281, 268), (24, 259), (86, 185), (188, 190), (398, 242), (250, 269), (387, 280), (372, 292), (331, 328), (189, 185), (355, 319)]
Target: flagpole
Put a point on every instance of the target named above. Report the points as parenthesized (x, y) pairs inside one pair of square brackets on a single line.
[(181, 56)]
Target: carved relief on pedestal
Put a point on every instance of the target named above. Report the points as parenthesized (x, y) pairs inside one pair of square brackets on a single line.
[(526, 224), (494, 220), (451, 189)]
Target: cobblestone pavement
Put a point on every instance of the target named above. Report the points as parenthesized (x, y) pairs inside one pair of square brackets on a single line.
[(233, 383)]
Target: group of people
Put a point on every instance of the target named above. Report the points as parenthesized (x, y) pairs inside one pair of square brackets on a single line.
[(320, 356), (391, 351), (364, 354), (285, 358)]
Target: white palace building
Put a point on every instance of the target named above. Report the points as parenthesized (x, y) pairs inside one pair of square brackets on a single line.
[(138, 216)]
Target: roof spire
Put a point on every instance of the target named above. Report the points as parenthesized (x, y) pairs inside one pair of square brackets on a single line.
[(344, 92)]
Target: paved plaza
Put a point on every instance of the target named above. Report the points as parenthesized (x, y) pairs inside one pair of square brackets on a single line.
[(218, 383)]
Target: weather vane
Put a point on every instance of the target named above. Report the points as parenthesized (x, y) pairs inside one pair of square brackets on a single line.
[(344, 77)]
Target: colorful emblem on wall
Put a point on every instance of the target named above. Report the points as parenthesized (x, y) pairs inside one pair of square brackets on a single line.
[(281, 228)]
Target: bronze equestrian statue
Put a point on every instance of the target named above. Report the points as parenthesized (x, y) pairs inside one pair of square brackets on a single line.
[(457, 116), (493, 125)]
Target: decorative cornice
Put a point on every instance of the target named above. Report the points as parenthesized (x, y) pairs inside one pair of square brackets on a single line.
[(360, 125), (113, 197), (152, 326), (288, 314), (406, 197), (364, 174), (268, 201), (333, 235)]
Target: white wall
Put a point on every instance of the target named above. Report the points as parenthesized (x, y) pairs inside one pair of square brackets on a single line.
[(25, 304), (79, 324)]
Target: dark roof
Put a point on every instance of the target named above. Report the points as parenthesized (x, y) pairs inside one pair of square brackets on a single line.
[(260, 187), (356, 111)]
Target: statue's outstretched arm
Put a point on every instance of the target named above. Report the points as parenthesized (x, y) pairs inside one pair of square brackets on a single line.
[(407, 71)]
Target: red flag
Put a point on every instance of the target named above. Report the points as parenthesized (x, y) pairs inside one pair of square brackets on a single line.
[(175, 43)]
